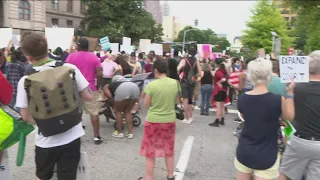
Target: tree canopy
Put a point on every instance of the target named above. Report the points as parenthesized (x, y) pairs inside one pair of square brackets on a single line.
[(120, 18), (266, 18), (207, 36), (307, 27)]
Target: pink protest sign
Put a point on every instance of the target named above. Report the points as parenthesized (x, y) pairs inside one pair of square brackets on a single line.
[(206, 50)]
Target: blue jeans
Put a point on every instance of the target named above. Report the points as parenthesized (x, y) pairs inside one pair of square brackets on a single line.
[(206, 91)]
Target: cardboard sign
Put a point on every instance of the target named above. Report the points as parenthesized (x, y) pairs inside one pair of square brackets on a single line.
[(144, 45), (114, 48), (126, 41), (5, 37), (294, 68), (4, 166), (105, 43), (59, 37), (166, 48), (157, 48), (83, 168)]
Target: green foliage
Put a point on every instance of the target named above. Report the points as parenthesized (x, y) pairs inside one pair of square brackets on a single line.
[(206, 36), (307, 27), (266, 18), (119, 18)]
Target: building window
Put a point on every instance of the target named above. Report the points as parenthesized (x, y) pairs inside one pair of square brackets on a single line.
[(55, 22), (82, 7), (24, 10), (70, 6), (55, 4), (69, 23)]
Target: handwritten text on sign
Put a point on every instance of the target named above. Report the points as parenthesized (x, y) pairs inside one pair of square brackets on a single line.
[(294, 68)]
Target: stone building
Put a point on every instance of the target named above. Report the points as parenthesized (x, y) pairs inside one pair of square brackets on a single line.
[(35, 15)]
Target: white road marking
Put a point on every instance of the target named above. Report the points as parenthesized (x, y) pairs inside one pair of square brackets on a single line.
[(184, 158), (213, 110)]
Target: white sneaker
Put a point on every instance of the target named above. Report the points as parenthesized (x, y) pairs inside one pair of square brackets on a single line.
[(117, 135), (189, 121), (129, 136)]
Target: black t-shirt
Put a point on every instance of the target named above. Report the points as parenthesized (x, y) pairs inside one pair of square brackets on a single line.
[(207, 78), (258, 144), (113, 87), (307, 109)]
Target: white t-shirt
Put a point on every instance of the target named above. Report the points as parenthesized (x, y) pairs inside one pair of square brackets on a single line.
[(59, 139)]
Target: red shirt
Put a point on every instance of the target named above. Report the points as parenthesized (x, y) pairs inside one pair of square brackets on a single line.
[(220, 74), (6, 90)]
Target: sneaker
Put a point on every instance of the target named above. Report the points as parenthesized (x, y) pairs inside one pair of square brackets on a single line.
[(237, 120), (116, 134), (215, 123), (202, 113), (222, 122), (97, 140), (189, 121), (129, 136)]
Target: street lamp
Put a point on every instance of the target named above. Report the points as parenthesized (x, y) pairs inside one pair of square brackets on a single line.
[(185, 33), (274, 36)]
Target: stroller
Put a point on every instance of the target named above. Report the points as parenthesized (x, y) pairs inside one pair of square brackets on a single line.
[(108, 111)]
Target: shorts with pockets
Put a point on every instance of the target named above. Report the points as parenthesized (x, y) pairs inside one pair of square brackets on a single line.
[(271, 173), (221, 96), (92, 107), (66, 157), (301, 157), (127, 90)]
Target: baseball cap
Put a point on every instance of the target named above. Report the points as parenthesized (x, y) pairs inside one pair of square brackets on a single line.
[(83, 43)]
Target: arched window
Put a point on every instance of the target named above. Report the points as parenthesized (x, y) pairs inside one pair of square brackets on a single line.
[(24, 10)]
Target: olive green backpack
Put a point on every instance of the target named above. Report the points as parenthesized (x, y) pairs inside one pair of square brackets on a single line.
[(53, 99)]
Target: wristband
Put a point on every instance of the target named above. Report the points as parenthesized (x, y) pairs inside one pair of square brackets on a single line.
[(289, 96)]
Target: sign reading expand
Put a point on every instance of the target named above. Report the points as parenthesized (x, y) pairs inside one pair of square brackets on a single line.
[(294, 68)]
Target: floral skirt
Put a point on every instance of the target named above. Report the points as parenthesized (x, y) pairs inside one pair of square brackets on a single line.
[(158, 140)]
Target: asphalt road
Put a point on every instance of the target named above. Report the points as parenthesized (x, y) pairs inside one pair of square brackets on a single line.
[(211, 157)]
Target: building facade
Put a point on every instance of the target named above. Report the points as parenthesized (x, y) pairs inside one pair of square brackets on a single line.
[(165, 9), (154, 8), (171, 27), (35, 15)]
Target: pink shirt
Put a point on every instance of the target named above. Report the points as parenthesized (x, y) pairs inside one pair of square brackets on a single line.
[(86, 62), (108, 67)]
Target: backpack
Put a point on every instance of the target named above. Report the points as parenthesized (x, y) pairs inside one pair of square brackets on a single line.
[(53, 99), (191, 77)]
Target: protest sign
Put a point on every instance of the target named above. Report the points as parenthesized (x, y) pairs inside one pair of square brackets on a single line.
[(206, 50), (166, 48), (127, 49), (4, 166), (105, 43), (157, 48), (93, 43), (199, 48), (294, 68), (5, 37), (59, 37), (144, 45), (114, 48), (126, 41), (16, 40)]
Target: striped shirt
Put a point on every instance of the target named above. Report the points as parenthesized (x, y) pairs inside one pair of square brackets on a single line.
[(234, 78)]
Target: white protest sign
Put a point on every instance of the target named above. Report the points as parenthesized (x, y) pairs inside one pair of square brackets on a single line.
[(127, 49), (114, 47), (144, 45), (16, 40), (126, 41), (294, 68), (83, 168), (5, 37), (59, 37), (157, 48), (199, 48), (4, 167)]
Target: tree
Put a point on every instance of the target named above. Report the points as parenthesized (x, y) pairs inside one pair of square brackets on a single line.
[(119, 18), (266, 18), (207, 36), (307, 27)]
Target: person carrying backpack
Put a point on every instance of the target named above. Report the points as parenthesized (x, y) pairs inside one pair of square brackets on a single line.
[(191, 69), (49, 96)]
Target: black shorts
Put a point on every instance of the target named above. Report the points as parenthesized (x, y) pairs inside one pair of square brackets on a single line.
[(66, 157), (187, 91), (220, 96), (105, 81)]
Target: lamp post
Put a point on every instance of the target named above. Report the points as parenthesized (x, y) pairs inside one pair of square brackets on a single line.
[(185, 33), (274, 36)]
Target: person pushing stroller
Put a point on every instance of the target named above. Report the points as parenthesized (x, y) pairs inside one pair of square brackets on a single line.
[(123, 95)]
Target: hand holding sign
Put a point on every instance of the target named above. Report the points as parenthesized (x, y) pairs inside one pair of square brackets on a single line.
[(294, 68)]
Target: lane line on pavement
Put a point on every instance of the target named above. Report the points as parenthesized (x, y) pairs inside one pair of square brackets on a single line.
[(213, 110), (182, 164)]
